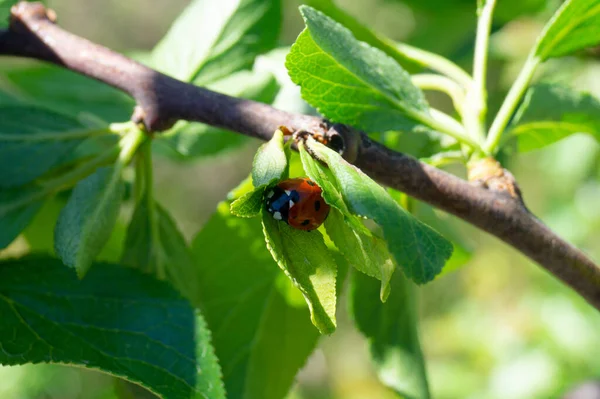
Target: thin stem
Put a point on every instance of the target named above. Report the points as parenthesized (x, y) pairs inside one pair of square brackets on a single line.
[(429, 81), (444, 123), (477, 93), (445, 158), (436, 63), (510, 104), (484, 25), (129, 145)]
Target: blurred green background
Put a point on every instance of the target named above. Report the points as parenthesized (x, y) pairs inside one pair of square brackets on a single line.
[(498, 327)]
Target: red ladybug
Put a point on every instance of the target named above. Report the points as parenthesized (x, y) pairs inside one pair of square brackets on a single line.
[(298, 202)]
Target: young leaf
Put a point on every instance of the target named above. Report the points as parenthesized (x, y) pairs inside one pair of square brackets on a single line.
[(351, 82), (33, 140), (550, 113), (249, 204), (391, 328), (306, 260), (61, 90), (155, 245), (241, 286), (417, 248), (321, 175), (85, 223), (366, 253), (17, 208), (211, 40), (116, 319), (270, 162), (187, 141), (574, 26)]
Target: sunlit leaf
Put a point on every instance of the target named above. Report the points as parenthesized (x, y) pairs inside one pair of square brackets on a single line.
[(364, 252), (351, 82), (574, 26), (249, 204), (306, 260), (419, 250), (270, 162)]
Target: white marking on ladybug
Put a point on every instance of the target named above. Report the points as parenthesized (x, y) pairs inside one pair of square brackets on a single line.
[(277, 215), (291, 203), (288, 192), (270, 194)]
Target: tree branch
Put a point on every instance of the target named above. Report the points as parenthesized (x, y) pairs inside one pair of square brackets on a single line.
[(163, 100)]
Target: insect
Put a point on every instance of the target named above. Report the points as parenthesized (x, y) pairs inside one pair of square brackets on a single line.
[(298, 202)]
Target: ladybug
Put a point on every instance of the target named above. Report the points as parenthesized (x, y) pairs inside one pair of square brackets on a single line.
[(298, 202)]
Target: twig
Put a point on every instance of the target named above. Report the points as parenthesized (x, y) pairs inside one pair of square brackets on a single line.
[(163, 100)]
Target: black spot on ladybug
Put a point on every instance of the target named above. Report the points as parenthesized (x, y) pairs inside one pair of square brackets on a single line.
[(310, 182), (305, 222), (317, 205)]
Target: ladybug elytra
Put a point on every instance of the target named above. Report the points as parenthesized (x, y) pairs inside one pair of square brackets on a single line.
[(298, 202)]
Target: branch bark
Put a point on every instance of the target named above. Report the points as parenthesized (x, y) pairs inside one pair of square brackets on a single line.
[(163, 100)]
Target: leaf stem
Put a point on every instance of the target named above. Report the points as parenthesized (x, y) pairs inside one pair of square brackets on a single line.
[(476, 107), (484, 25), (510, 104), (430, 81), (129, 145), (446, 124), (436, 63)]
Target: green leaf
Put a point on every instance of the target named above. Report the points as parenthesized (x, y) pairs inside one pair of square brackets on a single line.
[(417, 248), (550, 113), (249, 204), (116, 320), (211, 40), (461, 253), (86, 222), (17, 208), (306, 260), (574, 26), (351, 82), (270, 162), (391, 328), (188, 141), (366, 253), (261, 325), (324, 179), (67, 92), (155, 245), (5, 6), (364, 34), (33, 140)]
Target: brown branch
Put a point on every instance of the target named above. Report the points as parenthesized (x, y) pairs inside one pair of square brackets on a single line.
[(163, 100)]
